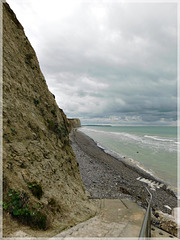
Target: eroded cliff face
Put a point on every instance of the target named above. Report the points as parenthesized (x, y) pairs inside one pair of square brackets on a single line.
[(74, 123), (39, 166)]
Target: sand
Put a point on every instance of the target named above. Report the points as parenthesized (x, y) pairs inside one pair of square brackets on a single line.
[(107, 177)]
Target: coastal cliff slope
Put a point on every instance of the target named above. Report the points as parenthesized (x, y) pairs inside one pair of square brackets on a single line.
[(39, 165), (74, 123)]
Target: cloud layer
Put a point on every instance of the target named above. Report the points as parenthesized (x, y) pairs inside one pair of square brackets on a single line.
[(106, 62)]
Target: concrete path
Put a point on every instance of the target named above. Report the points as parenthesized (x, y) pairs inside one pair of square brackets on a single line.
[(120, 218), (116, 218)]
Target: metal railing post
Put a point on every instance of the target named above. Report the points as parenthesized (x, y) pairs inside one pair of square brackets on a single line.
[(146, 226)]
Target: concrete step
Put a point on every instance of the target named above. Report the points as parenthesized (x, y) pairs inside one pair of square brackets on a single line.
[(115, 219), (130, 204)]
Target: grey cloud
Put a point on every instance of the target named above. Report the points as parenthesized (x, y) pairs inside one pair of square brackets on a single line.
[(111, 62)]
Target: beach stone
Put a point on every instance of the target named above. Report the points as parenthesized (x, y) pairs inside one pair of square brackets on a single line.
[(156, 215), (176, 214), (167, 223)]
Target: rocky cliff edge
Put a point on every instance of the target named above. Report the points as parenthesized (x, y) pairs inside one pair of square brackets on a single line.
[(42, 187), (74, 123)]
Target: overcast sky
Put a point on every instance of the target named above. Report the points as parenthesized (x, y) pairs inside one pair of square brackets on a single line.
[(106, 61)]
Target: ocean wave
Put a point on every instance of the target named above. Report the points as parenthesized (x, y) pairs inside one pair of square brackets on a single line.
[(131, 135), (127, 135), (156, 143), (118, 134), (124, 146), (158, 138), (137, 165), (84, 129), (110, 152), (100, 146), (153, 142), (127, 160)]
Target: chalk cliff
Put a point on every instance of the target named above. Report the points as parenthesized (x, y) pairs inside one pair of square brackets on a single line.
[(74, 123), (41, 180)]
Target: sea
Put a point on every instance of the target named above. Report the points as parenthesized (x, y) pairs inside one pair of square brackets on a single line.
[(153, 149)]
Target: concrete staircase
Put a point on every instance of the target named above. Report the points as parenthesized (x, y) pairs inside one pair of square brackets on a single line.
[(116, 218)]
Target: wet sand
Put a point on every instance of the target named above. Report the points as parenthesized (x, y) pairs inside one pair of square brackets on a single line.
[(107, 177)]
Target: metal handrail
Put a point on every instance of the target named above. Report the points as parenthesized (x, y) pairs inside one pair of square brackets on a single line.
[(146, 226)]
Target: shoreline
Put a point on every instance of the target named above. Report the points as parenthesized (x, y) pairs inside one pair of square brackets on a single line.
[(136, 166), (154, 150), (105, 176)]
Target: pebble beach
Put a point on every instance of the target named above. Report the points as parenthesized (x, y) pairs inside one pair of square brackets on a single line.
[(104, 176)]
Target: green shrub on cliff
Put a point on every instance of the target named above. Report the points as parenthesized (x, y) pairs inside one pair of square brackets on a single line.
[(18, 205), (36, 189), (54, 112), (60, 130), (36, 101), (13, 131)]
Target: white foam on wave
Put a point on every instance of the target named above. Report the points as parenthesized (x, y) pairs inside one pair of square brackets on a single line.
[(100, 146), (127, 135), (156, 138), (150, 172), (147, 140), (126, 160), (153, 142), (84, 129), (120, 134), (113, 154)]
